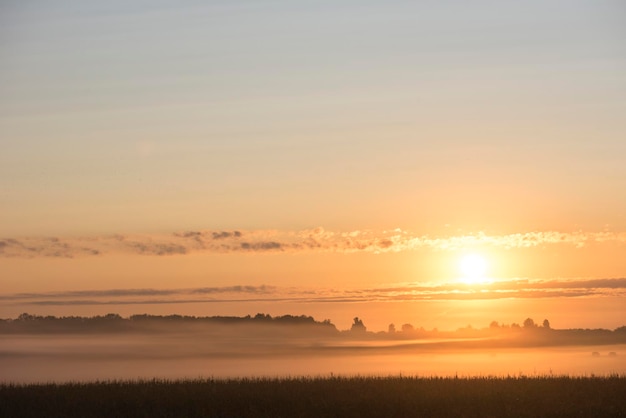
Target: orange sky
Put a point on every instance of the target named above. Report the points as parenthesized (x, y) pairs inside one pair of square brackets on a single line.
[(301, 154), (329, 279)]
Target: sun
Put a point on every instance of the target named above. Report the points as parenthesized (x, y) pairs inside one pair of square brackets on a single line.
[(473, 268)]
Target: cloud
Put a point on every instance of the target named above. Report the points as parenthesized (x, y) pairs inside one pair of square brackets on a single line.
[(158, 248), (506, 289), (262, 246), (311, 240), (45, 247), (137, 302), (262, 289), (91, 293), (226, 234), (234, 289)]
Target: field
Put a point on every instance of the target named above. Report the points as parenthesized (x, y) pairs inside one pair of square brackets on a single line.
[(399, 396)]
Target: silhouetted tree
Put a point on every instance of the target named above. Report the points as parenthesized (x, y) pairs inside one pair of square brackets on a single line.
[(546, 324), (358, 326), (529, 323), (392, 329), (494, 325), (263, 317), (25, 317), (407, 328)]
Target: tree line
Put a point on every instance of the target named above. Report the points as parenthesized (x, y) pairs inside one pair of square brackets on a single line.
[(529, 329), (115, 322)]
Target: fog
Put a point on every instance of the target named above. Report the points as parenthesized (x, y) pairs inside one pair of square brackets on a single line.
[(270, 351)]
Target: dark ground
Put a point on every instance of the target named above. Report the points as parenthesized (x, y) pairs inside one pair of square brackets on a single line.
[(324, 397)]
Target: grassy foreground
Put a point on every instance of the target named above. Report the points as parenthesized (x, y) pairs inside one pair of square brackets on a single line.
[(324, 397)]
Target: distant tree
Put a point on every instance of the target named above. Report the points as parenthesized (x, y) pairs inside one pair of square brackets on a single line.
[(546, 324), (358, 325), (529, 323), (494, 325), (392, 329), (408, 328), (263, 317), (25, 317), (515, 325)]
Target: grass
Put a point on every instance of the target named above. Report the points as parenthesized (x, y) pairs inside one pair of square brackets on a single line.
[(323, 397)]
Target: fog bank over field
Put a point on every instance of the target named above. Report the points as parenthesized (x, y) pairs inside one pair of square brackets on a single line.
[(41, 349)]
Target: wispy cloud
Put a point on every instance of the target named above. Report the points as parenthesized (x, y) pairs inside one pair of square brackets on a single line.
[(146, 292), (505, 289), (311, 240)]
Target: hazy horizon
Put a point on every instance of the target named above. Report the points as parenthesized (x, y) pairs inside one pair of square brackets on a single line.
[(43, 349), (442, 164)]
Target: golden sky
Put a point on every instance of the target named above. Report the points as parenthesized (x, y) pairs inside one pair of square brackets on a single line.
[(334, 159)]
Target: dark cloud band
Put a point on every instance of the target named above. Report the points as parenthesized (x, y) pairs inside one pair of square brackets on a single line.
[(520, 289)]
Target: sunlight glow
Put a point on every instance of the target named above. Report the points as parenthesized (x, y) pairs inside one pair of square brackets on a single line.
[(473, 268)]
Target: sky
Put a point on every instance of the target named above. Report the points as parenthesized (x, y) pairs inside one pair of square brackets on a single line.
[(315, 157)]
